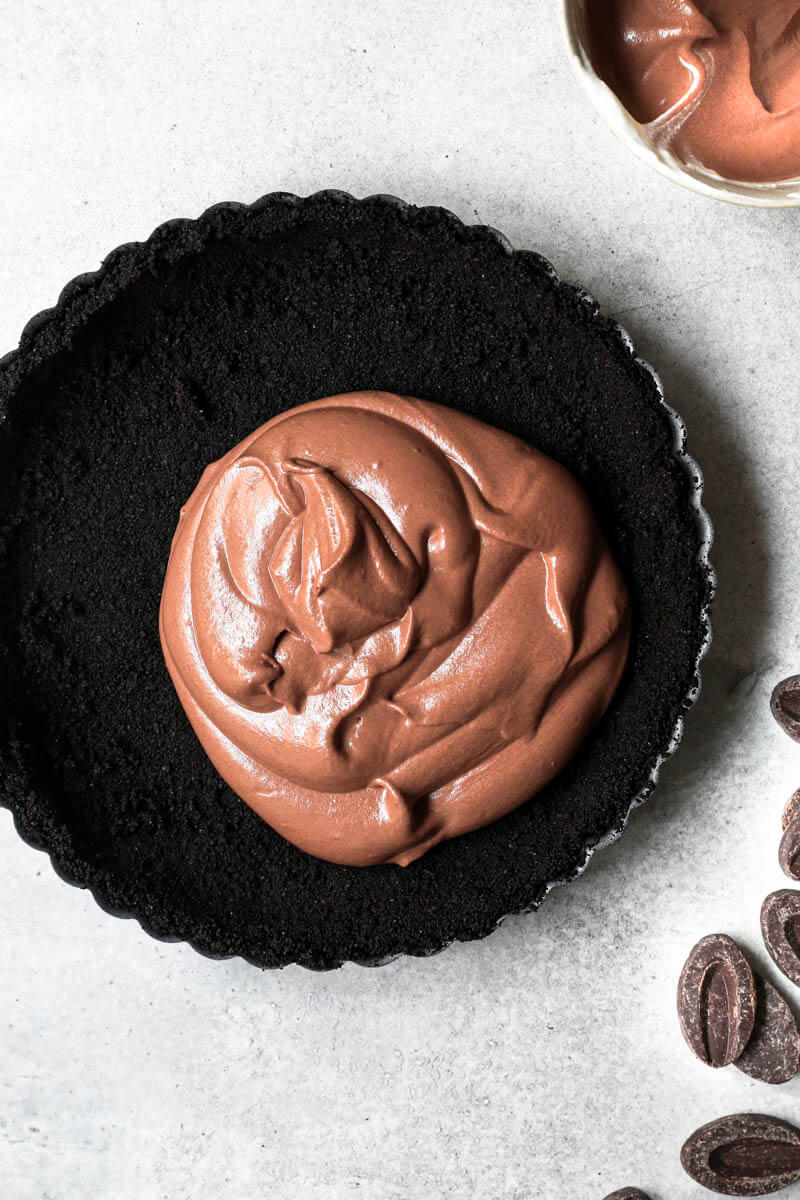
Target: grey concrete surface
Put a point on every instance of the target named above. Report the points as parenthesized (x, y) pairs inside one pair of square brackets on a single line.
[(545, 1061)]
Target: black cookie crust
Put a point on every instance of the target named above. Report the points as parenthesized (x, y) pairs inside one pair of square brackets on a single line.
[(158, 364)]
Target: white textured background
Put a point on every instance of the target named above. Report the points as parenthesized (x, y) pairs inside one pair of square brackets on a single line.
[(545, 1061)]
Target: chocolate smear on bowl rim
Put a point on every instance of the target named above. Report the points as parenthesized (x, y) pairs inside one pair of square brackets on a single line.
[(785, 705), (780, 928), (716, 1000), (772, 1054), (746, 1154)]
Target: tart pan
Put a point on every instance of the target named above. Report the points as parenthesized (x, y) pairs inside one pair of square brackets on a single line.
[(158, 363)]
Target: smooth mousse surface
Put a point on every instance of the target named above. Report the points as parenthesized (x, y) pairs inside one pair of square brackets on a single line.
[(716, 81), (389, 623)]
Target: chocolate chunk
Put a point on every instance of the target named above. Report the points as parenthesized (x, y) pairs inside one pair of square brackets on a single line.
[(785, 705), (773, 1053), (780, 928), (716, 1000), (628, 1194), (789, 851), (792, 810), (743, 1155)]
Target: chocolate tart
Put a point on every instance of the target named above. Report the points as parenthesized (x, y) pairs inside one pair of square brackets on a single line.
[(155, 366)]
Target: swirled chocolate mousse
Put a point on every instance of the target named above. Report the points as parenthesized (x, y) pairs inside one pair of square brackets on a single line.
[(389, 623), (716, 83)]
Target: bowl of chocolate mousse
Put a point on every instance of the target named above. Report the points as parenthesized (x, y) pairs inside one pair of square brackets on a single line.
[(705, 91)]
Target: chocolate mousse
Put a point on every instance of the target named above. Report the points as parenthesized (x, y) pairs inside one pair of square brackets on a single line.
[(716, 83), (389, 623)]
